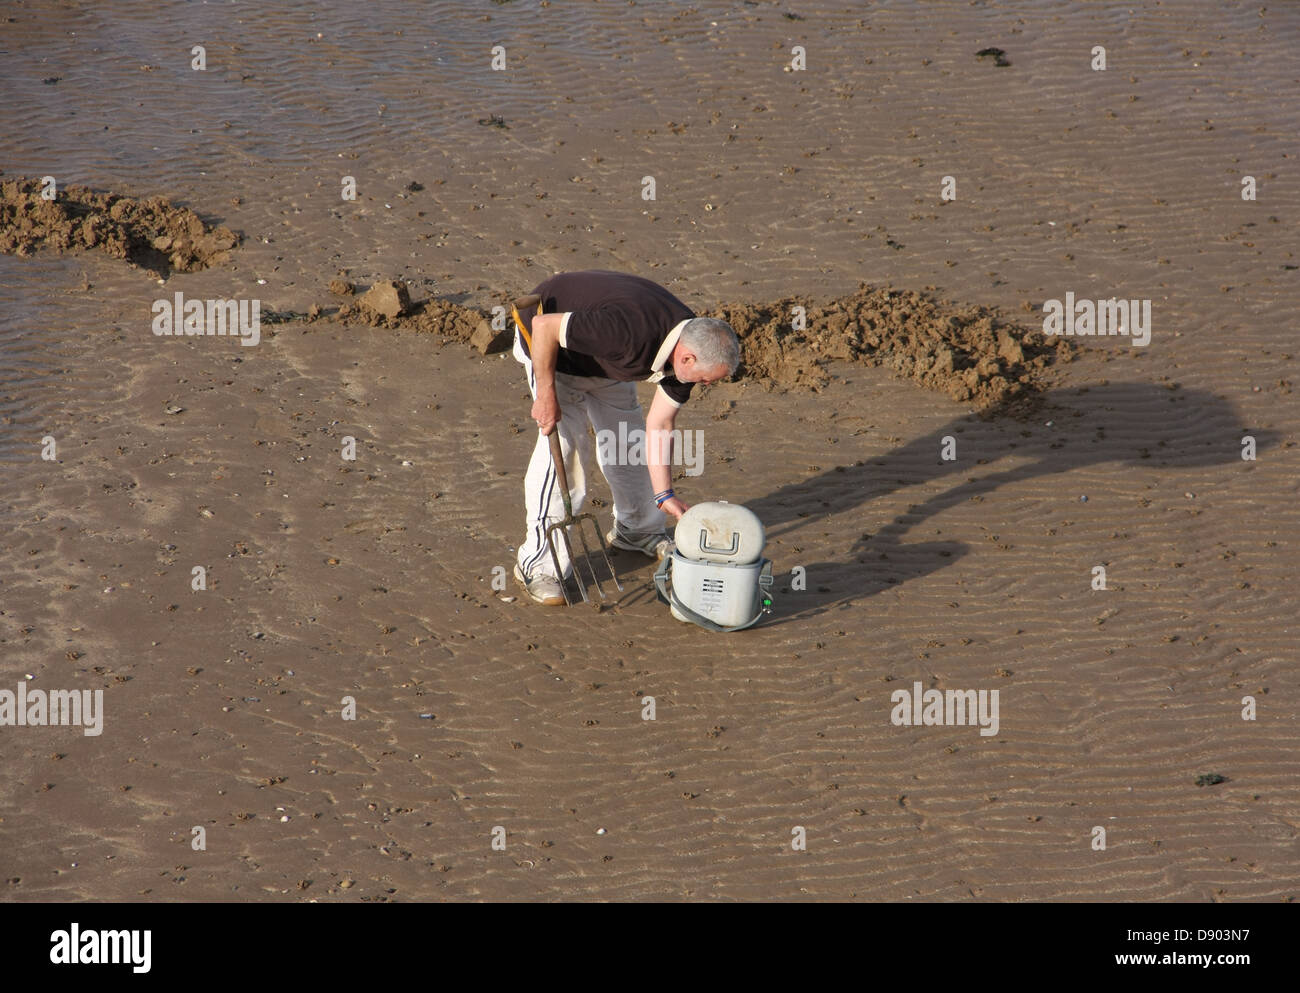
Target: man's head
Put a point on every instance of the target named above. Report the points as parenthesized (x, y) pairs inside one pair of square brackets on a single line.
[(707, 351)]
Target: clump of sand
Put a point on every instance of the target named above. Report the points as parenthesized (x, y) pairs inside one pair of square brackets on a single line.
[(389, 298), (969, 352), (433, 316), (152, 233)]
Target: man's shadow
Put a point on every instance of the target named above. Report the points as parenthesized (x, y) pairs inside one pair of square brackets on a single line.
[(1132, 425)]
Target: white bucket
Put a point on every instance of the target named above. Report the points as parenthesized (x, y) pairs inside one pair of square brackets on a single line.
[(717, 577)]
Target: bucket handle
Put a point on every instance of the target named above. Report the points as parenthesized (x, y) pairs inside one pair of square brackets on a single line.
[(731, 549)]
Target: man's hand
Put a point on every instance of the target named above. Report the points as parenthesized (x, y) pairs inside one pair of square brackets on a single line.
[(674, 507), (546, 411)]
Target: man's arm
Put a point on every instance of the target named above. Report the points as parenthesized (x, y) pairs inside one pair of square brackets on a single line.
[(545, 351), (659, 449)]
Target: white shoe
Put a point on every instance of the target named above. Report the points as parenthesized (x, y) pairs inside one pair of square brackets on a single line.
[(543, 588)]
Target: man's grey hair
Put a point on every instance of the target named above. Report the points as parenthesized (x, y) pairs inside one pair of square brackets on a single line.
[(713, 342)]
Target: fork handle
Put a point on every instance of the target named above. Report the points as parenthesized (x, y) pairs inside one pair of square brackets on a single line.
[(557, 458)]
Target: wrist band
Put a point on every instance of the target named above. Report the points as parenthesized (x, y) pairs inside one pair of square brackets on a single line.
[(664, 497)]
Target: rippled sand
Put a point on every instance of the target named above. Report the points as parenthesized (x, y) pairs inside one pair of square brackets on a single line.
[(374, 579)]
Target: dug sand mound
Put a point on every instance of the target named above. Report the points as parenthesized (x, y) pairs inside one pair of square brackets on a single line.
[(969, 352), (152, 233)]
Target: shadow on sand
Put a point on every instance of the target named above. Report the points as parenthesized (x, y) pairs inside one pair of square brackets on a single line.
[(1127, 425)]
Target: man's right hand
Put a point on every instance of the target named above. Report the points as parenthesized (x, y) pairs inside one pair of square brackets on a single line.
[(546, 412)]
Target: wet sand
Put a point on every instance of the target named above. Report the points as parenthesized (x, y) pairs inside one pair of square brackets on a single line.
[(373, 579)]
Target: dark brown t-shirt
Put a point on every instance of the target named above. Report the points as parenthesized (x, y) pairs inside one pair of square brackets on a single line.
[(616, 326)]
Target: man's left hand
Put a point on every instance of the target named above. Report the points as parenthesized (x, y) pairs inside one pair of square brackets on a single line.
[(674, 507)]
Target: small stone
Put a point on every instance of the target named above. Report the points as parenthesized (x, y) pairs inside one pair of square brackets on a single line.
[(342, 288)]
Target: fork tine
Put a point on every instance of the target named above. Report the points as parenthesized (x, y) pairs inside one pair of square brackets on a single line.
[(586, 552), (577, 573), (604, 551), (559, 569), (563, 530), (604, 554)]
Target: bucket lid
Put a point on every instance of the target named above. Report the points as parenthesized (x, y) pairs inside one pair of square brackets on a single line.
[(720, 532)]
